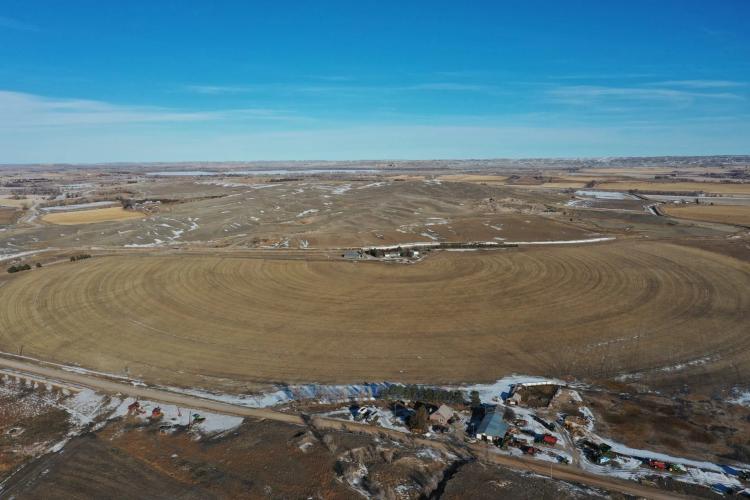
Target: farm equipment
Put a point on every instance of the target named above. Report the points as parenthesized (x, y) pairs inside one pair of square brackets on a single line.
[(677, 468), (657, 464), (197, 418), (156, 414), (529, 450), (549, 439), (597, 453), (546, 425), (134, 408)]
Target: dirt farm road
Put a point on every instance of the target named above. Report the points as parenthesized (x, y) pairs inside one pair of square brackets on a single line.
[(20, 368)]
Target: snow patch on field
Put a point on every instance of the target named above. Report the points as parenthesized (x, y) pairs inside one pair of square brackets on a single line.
[(740, 397), (214, 423), (372, 184), (308, 212), (436, 221), (80, 206), (493, 392), (605, 195), (672, 368), (156, 243), (561, 242), (286, 394), (4, 257), (85, 406)]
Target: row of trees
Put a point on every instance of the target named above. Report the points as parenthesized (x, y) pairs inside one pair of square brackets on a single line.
[(19, 267), (417, 392), (81, 256), (22, 267)]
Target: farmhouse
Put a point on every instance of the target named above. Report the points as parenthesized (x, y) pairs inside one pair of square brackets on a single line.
[(492, 428), (441, 416)]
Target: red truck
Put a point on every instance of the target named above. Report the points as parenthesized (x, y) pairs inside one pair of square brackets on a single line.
[(657, 464)]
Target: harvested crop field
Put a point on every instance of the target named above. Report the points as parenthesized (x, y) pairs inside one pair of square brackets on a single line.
[(8, 215), (92, 216), (679, 187), (489, 179), (16, 203), (185, 319), (725, 214)]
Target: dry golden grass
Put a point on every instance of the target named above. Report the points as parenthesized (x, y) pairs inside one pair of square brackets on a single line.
[(708, 187), (727, 214), (8, 215), (406, 177), (651, 170), (564, 184), (632, 170), (91, 216), (10, 202), (458, 316), (488, 179)]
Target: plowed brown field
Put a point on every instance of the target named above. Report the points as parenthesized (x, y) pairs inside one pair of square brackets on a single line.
[(457, 316), (91, 216), (726, 214)]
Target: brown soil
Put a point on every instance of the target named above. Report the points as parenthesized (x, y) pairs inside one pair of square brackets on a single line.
[(258, 460), (692, 426), (725, 214), (91, 216), (8, 215)]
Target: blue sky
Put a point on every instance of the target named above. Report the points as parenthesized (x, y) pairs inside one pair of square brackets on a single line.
[(91, 81)]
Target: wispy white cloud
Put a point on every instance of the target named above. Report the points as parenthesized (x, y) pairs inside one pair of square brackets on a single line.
[(334, 78), (222, 89), (29, 110), (700, 84), (602, 76), (15, 24), (586, 94), (348, 88), (448, 86)]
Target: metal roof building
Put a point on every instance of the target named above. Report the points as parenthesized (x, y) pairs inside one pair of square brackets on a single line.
[(492, 426)]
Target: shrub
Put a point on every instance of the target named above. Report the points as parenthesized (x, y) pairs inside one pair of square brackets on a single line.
[(19, 267), (418, 421), (82, 256)]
